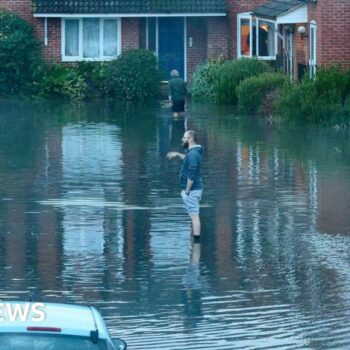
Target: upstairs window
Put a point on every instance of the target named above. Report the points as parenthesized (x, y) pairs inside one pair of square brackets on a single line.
[(90, 39), (256, 37)]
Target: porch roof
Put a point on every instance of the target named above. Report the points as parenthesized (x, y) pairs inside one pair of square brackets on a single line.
[(129, 7), (276, 8)]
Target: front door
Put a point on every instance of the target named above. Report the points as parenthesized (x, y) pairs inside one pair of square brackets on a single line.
[(171, 45)]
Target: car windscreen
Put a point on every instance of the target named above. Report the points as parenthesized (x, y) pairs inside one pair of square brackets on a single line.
[(39, 341)]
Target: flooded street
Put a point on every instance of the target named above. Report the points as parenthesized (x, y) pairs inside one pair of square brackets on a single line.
[(91, 213)]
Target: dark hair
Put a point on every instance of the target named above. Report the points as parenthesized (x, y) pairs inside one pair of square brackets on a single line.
[(192, 134)]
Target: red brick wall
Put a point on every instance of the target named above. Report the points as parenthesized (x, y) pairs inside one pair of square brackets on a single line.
[(333, 31), (21, 8), (217, 36), (130, 33), (197, 30)]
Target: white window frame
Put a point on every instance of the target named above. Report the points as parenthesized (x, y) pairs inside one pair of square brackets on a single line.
[(253, 19), (241, 16), (313, 49), (274, 26), (80, 56)]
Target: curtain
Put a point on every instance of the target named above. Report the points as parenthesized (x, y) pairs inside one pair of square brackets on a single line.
[(71, 37), (91, 37), (110, 37), (245, 37)]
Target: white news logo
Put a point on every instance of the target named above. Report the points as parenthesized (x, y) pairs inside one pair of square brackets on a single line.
[(11, 312)]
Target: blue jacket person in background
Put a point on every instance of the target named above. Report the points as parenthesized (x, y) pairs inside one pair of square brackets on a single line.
[(190, 177)]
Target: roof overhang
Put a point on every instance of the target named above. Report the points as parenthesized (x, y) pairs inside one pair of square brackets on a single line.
[(283, 11), (127, 15), (297, 15)]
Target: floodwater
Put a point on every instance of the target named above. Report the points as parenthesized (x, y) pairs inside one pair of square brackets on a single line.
[(90, 213)]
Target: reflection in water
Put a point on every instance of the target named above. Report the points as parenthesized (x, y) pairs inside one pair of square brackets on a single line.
[(191, 294), (90, 212)]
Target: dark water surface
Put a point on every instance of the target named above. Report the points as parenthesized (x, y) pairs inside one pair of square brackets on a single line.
[(90, 213)]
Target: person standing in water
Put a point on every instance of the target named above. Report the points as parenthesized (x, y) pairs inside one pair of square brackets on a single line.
[(190, 178), (177, 93)]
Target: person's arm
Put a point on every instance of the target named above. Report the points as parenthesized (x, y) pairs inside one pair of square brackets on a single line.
[(188, 186), (171, 155)]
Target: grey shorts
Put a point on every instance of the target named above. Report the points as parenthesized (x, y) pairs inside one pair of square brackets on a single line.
[(192, 201)]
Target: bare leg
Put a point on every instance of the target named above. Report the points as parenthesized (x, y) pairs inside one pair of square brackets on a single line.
[(196, 224)]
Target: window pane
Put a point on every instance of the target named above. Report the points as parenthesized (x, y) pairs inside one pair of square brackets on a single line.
[(245, 37), (110, 37), (266, 39), (91, 37), (71, 37)]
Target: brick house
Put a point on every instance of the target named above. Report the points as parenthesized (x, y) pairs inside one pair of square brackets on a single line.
[(296, 35)]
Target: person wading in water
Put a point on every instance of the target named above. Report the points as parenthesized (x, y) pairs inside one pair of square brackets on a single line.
[(190, 178)]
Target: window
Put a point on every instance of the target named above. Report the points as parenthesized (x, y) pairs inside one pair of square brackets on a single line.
[(256, 37), (90, 39)]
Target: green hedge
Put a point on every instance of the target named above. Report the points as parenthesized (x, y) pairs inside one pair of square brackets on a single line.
[(203, 80), (62, 81), (253, 93), (20, 55), (134, 76), (324, 100), (231, 73)]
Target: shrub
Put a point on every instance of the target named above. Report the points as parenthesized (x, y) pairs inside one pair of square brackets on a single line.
[(63, 81), (320, 101), (231, 73), (134, 76), (20, 54), (91, 73), (252, 92), (203, 79)]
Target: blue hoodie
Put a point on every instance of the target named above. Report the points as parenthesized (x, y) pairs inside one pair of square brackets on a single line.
[(191, 168)]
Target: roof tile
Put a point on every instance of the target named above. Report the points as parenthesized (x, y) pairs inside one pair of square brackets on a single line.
[(128, 6)]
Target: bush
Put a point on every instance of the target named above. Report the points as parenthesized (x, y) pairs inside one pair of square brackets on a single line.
[(252, 92), (231, 73), (20, 53), (134, 76), (92, 73), (63, 81), (203, 80), (321, 101)]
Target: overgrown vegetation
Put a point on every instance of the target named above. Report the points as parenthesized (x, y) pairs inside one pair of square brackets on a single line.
[(204, 80), (322, 101), (232, 73), (20, 55), (132, 77), (253, 93)]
